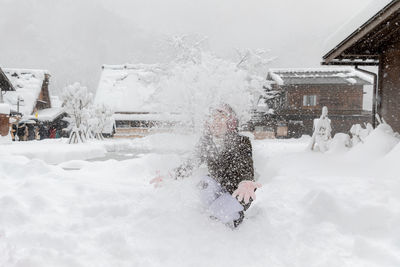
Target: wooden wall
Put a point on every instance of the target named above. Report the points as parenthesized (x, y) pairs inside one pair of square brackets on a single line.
[(4, 125), (44, 95), (389, 86), (339, 99)]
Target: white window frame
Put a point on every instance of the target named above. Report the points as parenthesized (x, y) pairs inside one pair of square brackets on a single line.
[(309, 100)]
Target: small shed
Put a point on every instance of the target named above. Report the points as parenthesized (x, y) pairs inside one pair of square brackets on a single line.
[(51, 122), (373, 39)]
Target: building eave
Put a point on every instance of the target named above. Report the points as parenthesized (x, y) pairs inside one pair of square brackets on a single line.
[(335, 56)]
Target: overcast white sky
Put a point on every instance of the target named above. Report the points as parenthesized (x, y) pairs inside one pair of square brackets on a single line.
[(72, 38)]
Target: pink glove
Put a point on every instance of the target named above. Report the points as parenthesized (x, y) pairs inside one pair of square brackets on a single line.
[(158, 180), (245, 190)]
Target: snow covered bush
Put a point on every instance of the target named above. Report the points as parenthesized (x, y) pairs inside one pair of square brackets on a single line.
[(76, 102), (341, 142)]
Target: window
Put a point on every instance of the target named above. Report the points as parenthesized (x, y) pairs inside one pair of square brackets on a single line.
[(309, 100), (122, 124)]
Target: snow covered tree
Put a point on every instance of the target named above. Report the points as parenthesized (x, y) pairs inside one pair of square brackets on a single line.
[(196, 80), (187, 48), (101, 119), (255, 63), (322, 132), (76, 102)]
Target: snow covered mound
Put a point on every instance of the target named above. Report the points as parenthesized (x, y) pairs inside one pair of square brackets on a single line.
[(54, 151), (5, 139), (377, 144), (314, 209), (340, 143), (391, 161), (166, 142)]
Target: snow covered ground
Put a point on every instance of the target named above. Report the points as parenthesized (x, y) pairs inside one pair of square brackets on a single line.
[(58, 208)]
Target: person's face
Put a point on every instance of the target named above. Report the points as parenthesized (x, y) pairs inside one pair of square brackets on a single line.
[(218, 124)]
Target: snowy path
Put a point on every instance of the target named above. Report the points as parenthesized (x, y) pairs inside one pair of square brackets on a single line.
[(314, 210)]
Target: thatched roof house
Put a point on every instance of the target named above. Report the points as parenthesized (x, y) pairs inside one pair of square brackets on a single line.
[(31, 90), (129, 91)]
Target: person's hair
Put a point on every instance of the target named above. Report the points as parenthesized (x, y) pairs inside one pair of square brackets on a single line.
[(232, 123)]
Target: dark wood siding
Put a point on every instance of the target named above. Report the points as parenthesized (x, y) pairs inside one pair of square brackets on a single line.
[(344, 102), (43, 100), (339, 99), (390, 86)]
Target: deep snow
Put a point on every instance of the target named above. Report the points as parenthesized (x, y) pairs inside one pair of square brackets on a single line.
[(340, 208)]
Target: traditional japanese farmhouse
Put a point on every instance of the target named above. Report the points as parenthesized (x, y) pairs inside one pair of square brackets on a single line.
[(129, 91), (30, 103), (373, 39), (295, 97), (31, 90)]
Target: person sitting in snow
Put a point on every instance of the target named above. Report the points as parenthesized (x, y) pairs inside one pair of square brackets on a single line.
[(229, 188)]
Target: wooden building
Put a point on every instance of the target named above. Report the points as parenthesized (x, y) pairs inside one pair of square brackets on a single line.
[(300, 94), (5, 86), (30, 103), (375, 42)]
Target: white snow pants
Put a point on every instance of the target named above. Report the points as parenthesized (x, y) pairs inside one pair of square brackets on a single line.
[(219, 202)]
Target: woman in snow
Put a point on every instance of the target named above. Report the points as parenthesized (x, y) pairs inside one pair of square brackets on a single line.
[(229, 187)]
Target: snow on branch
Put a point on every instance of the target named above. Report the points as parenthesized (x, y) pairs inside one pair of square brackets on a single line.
[(76, 102)]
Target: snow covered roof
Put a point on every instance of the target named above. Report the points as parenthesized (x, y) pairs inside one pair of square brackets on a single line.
[(28, 85), (49, 114), (376, 13), (345, 75), (129, 88), (4, 108)]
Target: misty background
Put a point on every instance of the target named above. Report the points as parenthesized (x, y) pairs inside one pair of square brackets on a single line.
[(74, 38)]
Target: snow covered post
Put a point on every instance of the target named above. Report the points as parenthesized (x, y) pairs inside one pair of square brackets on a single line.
[(322, 132), (76, 102)]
